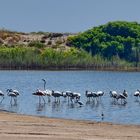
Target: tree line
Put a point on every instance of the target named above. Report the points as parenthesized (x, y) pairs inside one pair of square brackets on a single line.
[(114, 46), (120, 39)]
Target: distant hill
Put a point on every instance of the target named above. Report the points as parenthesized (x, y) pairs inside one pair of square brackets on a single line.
[(120, 38), (113, 46), (48, 39)]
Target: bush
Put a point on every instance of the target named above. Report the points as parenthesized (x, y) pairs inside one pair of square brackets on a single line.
[(36, 44)]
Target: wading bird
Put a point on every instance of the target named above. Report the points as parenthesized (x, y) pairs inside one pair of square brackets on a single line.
[(137, 93), (44, 83), (125, 93), (2, 95), (40, 94), (89, 95), (100, 93), (47, 91), (113, 94), (13, 94), (57, 95)]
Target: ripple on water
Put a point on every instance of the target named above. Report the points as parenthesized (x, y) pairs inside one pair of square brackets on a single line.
[(26, 82)]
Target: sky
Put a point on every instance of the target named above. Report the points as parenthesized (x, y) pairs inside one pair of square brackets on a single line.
[(65, 15)]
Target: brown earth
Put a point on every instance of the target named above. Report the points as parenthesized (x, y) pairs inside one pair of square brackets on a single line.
[(21, 127)]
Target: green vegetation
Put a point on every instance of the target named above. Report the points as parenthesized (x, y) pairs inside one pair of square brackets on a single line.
[(113, 46), (19, 58), (36, 44), (116, 39), (49, 58)]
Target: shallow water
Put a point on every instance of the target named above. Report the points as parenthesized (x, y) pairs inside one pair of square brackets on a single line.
[(26, 82)]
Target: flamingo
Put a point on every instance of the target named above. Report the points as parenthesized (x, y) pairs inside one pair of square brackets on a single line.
[(69, 94), (44, 83), (40, 94), (122, 97), (64, 95), (56, 95), (137, 93), (88, 94), (77, 96), (95, 95), (14, 91), (113, 94), (125, 93), (2, 95), (100, 94), (73, 96), (48, 94), (47, 91), (13, 94)]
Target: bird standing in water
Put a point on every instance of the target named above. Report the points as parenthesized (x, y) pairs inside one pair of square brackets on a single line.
[(102, 115)]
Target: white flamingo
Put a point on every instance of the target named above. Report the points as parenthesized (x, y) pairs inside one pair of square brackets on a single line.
[(137, 93), (125, 93), (113, 94), (100, 94), (88, 94), (68, 94), (73, 96), (2, 95), (122, 97), (95, 96), (56, 95), (13, 94), (47, 91), (76, 96), (48, 94), (40, 94)]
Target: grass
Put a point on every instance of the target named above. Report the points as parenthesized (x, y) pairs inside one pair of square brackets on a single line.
[(21, 57)]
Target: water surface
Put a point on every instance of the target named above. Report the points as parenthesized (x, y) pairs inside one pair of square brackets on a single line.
[(26, 82)]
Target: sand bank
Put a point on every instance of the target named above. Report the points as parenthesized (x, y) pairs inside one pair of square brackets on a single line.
[(22, 127)]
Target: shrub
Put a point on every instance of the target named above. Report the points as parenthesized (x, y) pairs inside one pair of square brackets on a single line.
[(36, 44)]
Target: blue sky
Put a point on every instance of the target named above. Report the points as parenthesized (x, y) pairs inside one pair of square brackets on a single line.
[(65, 15)]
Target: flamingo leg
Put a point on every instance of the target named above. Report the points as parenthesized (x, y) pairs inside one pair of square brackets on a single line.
[(43, 99), (2, 99), (93, 98), (68, 99), (39, 100), (11, 100), (59, 99), (15, 100), (49, 99)]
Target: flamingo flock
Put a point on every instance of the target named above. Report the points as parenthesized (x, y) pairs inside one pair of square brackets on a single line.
[(94, 95), (119, 96), (11, 93), (71, 97), (75, 97)]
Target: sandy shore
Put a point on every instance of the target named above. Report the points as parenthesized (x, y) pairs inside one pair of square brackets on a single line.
[(22, 127)]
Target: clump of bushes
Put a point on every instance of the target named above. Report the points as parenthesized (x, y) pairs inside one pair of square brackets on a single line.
[(36, 44)]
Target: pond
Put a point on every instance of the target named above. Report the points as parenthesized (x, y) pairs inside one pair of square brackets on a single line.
[(26, 82)]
